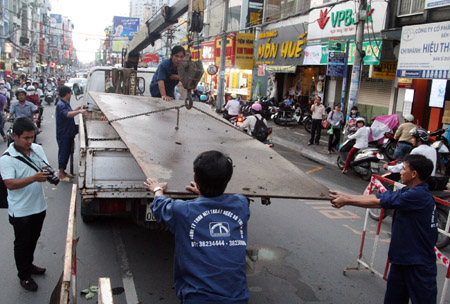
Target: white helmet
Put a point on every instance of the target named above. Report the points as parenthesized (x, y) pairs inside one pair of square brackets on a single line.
[(409, 117), (31, 88)]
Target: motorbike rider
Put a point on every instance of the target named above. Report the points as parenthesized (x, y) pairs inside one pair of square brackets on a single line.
[(420, 139), (362, 141), (404, 137), (3, 103), (38, 90), (250, 121), (350, 125), (23, 108), (233, 107)]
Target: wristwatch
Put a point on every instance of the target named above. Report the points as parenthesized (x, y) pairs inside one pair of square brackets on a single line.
[(158, 189)]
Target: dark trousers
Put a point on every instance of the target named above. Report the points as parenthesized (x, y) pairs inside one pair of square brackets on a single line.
[(316, 129), (333, 139), (27, 230), (415, 282), (2, 125), (64, 150)]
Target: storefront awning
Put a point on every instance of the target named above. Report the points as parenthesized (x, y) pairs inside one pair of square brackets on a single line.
[(281, 68)]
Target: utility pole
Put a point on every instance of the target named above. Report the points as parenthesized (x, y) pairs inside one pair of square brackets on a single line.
[(33, 42), (358, 57), (223, 54)]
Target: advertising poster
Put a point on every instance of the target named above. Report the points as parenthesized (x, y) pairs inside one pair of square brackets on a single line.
[(425, 51), (124, 29), (437, 94)]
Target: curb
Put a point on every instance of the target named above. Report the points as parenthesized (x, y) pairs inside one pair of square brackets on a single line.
[(308, 153)]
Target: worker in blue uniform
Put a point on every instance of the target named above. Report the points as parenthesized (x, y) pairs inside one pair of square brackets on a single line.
[(210, 234), (166, 76), (414, 232)]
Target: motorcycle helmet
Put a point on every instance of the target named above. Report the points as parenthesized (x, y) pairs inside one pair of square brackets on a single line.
[(257, 107), (233, 95), (408, 117), (20, 90), (420, 133), (203, 98), (31, 89), (361, 119)]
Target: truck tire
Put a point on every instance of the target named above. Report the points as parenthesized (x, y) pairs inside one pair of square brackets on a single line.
[(442, 241), (87, 219)]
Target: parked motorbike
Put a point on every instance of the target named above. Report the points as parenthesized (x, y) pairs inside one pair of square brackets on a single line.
[(284, 116), (365, 161), (48, 97), (389, 145), (307, 121), (443, 151)]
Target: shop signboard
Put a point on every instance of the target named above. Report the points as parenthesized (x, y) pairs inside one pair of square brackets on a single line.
[(384, 70), (230, 50), (261, 69), (151, 59), (436, 3), (336, 58), (244, 51), (255, 12), (339, 20), (404, 83), (208, 52), (318, 54), (283, 46), (425, 51), (195, 49)]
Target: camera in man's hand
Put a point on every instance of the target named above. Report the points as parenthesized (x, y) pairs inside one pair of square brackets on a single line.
[(52, 179)]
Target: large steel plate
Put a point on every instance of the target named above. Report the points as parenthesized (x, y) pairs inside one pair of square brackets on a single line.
[(167, 154)]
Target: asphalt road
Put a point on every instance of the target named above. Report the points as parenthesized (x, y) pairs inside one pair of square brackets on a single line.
[(297, 249)]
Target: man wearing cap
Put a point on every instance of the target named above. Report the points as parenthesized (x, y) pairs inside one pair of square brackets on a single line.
[(65, 130), (233, 107), (404, 137)]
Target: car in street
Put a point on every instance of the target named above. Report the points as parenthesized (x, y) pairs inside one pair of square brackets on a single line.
[(80, 81)]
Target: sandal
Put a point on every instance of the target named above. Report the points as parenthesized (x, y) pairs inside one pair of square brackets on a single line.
[(70, 175), (66, 180)]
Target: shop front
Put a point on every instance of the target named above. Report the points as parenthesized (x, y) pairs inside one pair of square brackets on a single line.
[(424, 66), (279, 57), (331, 32), (238, 64)]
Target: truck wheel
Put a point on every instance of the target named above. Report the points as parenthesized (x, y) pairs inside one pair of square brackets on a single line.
[(374, 213), (442, 241), (87, 219)]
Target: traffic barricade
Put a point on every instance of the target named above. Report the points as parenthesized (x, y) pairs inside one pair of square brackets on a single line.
[(363, 264), (105, 295)]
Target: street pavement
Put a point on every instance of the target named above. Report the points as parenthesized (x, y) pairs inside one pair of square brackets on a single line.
[(297, 249)]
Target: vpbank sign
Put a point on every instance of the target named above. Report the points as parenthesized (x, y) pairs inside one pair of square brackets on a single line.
[(340, 20)]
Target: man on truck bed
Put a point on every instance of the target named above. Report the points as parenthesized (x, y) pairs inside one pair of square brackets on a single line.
[(166, 77), (210, 234)]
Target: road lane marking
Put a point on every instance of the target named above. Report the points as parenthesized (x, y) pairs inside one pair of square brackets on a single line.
[(302, 164), (127, 275), (314, 170), (317, 203), (353, 229), (287, 152), (323, 207), (339, 214)]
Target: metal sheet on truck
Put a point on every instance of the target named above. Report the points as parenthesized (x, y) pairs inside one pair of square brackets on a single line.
[(165, 153)]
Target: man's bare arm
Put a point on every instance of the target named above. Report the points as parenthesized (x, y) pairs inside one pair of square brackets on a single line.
[(340, 199)]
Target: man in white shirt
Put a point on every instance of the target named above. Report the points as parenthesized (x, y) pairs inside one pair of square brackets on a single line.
[(233, 107), (318, 114), (420, 142)]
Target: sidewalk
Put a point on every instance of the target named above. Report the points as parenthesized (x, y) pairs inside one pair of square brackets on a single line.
[(295, 137)]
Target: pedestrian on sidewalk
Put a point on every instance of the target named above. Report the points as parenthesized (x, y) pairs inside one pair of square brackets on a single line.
[(318, 114), (3, 103), (336, 119), (414, 232)]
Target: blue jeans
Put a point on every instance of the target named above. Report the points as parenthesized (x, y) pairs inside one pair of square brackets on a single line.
[(402, 150)]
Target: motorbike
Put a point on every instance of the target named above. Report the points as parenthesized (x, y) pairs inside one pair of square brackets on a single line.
[(9, 133), (365, 162), (389, 145), (443, 151), (286, 115), (269, 107), (48, 96), (307, 121)]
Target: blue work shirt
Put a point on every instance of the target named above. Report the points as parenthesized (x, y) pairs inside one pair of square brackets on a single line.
[(25, 110), (210, 242), (165, 69), (414, 225), (65, 127), (28, 200)]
